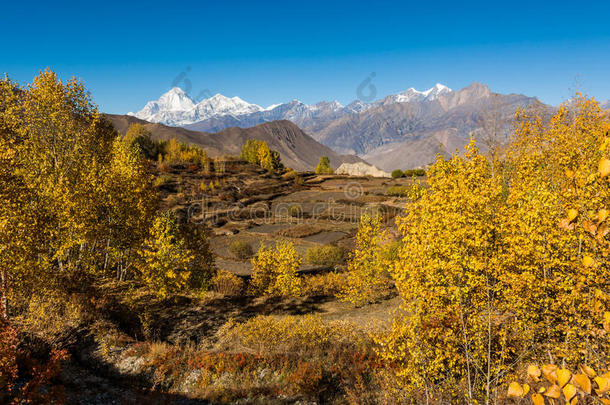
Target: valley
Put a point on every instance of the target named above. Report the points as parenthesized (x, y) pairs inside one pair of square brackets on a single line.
[(406, 130)]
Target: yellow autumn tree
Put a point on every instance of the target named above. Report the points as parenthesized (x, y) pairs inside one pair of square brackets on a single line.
[(274, 270), (556, 230), (130, 206), (165, 258), (323, 166), (572, 319), (74, 197), (367, 266), (259, 153), (59, 148), (505, 261), (447, 333)]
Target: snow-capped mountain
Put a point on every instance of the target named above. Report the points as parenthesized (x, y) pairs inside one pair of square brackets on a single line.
[(403, 130), (415, 95), (176, 108)]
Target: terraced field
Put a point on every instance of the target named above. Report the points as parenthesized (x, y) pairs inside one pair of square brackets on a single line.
[(249, 205)]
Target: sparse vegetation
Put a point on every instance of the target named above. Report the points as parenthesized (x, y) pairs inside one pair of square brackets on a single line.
[(398, 191), (300, 231), (162, 179), (227, 283), (295, 211), (241, 250), (414, 172), (327, 255)]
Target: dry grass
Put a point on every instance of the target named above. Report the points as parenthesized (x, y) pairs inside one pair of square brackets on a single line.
[(265, 359), (227, 283)]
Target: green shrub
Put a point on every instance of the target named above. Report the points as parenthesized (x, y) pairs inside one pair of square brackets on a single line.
[(241, 250), (327, 255), (323, 166), (414, 172), (397, 173)]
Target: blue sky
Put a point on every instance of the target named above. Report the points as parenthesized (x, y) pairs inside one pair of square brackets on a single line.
[(269, 52)]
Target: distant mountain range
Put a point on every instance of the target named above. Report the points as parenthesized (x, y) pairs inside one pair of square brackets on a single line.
[(297, 149), (176, 108), (403, 130)]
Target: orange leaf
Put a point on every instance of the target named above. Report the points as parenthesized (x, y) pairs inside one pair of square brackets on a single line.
[(565, 224), (589, 227), (537, 399), (550, 372), (534, 372), (603, 385), (602, 231), (604, 167), (588, 371), (515, 390), (563, 376), (553, 392), (569, 391), (583, 382)]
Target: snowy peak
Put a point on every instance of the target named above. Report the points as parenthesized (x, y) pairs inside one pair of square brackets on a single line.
[(218, 105), (437, 90), (175, 100), (175, 107), (416, 95)]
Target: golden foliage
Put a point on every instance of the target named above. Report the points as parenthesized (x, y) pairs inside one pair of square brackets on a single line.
[(165, 258), (326, 255), (76, 199), (258, 153), (585, 387), (288, 334), (506, 259), (275, 270), (227, 283), (176, 152), (366, 281), (328, 284)]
